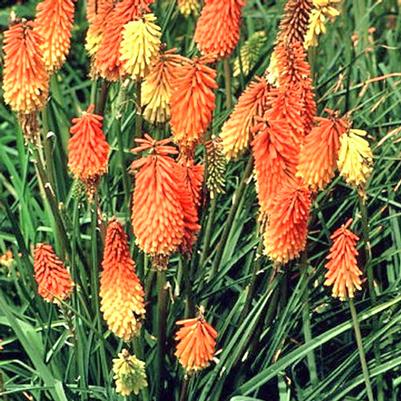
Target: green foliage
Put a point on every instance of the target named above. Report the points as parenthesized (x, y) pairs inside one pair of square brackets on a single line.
[(281, 335)]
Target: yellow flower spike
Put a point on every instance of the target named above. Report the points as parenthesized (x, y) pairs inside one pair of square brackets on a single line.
[(188, 7), (140, 45), (323, 10), (355, 158), (129, 374)]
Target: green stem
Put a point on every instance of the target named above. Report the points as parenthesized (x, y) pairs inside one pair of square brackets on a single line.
[(101, 101), (227, 82), (61, 233), (127, 189), (161, 330), (371, 285), (138, 119), (306, 312), (231, 216), (361, 351), (252, 284), (208, 232)]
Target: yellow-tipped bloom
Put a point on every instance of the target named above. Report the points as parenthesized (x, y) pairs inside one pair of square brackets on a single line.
[(129, 374), (188, 7), (157, 86), (140, 45), (355, 158), (53, 22), (323, 10)]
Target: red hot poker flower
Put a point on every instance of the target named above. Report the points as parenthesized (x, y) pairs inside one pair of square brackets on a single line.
[(319, 154), (343, 272), (53, 22), (88, 150), (196, 343), (157, 212), (218, 28), (121, 293), (53, 279), (192, 101), (25, 80)]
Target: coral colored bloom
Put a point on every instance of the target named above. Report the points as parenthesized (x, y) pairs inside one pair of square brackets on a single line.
[(140, 45), (192, 101), (190, 177), (355, 158), (157, 86), (129, 374), (343, 272), (97, 24), (188, 7), (88, 150), (236, 131), (53, 22), (53, 279), (196, 343), (318, 157), (218, 27), (157, 212), (275, 152), (107, 62), (121, 293), (295, 87), (286, 232), (25, 80)]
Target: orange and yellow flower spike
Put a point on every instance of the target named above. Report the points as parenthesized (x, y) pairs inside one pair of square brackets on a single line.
[(188, 7), (319, 153), (196, 343), (343, 272), (121, 293), (53, 22), (157, 86), (53, 279), (25, 80), (107, 61), (237, 130)]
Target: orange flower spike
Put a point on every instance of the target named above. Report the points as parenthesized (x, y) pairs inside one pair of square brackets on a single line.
[(295, 91), (192, 101), (88, 150), (236, 131), (286, 233), (107, 61), (97, 17), (53, 279), (218, 28), (25, 80), (343, 272), (121, 293), (196, 343), (275, 152), (53, 22), (319, 154), (157, 212), (190, 177)]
